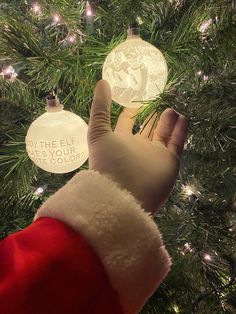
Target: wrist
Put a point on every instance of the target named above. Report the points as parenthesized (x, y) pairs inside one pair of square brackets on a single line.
[(124, 183), (140, 188)]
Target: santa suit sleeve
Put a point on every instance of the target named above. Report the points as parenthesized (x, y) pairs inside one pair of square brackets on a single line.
[(90, 250)]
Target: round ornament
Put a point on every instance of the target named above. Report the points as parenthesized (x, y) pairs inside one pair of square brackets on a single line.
[(57, 140), (136, 71)]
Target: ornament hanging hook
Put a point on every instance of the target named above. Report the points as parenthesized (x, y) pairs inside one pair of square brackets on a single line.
[(133, 29), (53, 103)]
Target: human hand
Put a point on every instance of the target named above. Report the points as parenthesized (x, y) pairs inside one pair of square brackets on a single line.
[(147, 166)]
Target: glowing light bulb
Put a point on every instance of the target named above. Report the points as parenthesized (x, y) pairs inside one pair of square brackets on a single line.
[(9, 70), (207, 257), (9, 73), (205, 25), (71, 38), (176, 308), (188, 247), (188, 190), (139, 20), (40, 190), (88, 9), (56, 18), (36, 8)]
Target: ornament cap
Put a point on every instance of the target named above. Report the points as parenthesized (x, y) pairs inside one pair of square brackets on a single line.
[(53, 103), (133, 30)]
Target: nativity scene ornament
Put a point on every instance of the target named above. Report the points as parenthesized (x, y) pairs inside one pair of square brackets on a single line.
[(136, 71)]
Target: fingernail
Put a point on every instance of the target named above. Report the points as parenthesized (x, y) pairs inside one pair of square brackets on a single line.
[(176, 112), (184, 117), (172, 111)]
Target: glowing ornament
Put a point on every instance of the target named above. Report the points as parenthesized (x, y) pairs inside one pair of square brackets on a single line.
[(57, 140), (136, 71)]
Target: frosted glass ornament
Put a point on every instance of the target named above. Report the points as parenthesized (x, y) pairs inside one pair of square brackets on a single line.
[(57, 140), (136, 71)]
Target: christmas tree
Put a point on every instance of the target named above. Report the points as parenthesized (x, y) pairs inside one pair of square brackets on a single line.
[(60, 46)]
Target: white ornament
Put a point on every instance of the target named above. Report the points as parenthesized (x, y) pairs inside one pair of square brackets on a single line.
[(57, 140), (136, 71)]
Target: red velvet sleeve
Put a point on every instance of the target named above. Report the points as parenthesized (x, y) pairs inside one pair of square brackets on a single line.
[(48, 268)]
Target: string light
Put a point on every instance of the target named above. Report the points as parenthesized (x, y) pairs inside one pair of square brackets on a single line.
[(9, 73), (71, 38), (176, 3), (139, 20), (36, 9), (200, 73), (188, 190), (6, 27), (39, 191), (176, 308), (188, 247), (56, 18), (88, 9), (191, 190), (233, 4), (205, 26), (207, 257), (188, 142), (9, 70), (89, 14)]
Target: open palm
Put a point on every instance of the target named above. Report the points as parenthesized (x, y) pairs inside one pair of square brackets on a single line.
[(145, 164)]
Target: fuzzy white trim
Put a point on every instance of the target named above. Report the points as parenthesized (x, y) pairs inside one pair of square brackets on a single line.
[(123, 235)]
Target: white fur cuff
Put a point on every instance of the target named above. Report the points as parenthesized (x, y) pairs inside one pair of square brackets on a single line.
[(124, 236)]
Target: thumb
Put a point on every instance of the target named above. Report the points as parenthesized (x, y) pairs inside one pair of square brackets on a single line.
[(99, 122)]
